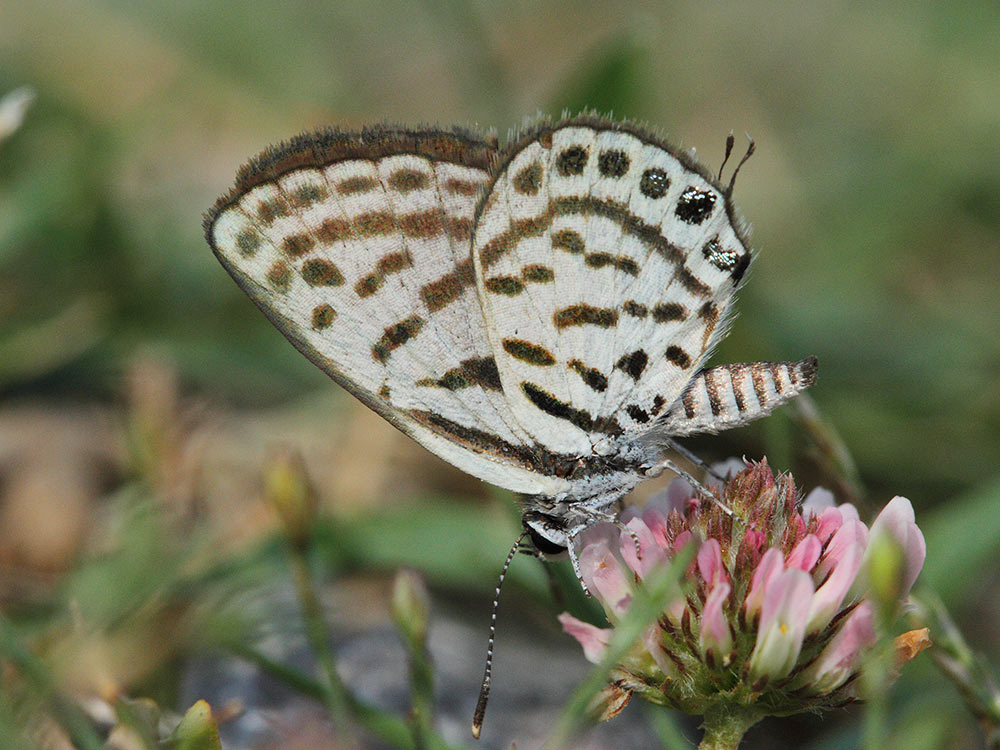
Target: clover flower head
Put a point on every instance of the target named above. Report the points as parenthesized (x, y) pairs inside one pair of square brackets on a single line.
[(779, 605)]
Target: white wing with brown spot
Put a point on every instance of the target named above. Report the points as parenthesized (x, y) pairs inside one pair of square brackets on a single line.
[(358, 250), (605, 263)]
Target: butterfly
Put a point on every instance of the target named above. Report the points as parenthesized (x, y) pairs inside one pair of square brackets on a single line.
[(537, 315)]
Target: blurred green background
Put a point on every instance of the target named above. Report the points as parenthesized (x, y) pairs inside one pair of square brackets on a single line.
[(127, 354)]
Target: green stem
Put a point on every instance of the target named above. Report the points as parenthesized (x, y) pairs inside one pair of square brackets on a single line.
[(335, 694), (421, 696), (725, 727), (875, 681)]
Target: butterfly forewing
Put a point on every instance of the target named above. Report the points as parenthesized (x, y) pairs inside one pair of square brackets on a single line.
[(364, 264), (605, 266)]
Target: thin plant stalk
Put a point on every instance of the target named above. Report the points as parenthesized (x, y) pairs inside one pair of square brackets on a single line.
[(334, 691), (421, 696)]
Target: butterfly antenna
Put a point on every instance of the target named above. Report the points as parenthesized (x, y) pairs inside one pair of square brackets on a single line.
[(484, 691), (730, 142), (750, 149)]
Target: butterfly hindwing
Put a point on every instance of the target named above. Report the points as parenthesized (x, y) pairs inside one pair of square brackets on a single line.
[(357, 247), (606, 265)]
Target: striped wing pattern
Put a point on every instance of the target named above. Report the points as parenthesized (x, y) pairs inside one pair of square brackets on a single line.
[(359, 254), (525, 315), (605, 266)]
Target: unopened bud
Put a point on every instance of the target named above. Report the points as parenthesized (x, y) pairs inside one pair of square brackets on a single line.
[(291, 494), (197, 730), (410, 607), (885, 573)]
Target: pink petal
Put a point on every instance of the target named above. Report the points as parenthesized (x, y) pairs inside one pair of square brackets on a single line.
[(683, 540), (851, 533), (715, 635), (593, 639), (675, 610), (818, 500), (805, 554), (656, 522), (678, 494), (898, 522), (606, 533), (828, 598), (674, 498), (651, 554), (770, 565), (652, 641), (828, 522), (605, 578), (843, 656), (782, 625), (848, 512), (710, 563), (754, 541)]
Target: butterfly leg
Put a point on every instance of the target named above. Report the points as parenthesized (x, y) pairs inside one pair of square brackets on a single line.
[(693, 458), (574, 559), (698, 487)]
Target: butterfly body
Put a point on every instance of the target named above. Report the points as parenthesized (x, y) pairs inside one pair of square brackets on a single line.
[(536, 316)]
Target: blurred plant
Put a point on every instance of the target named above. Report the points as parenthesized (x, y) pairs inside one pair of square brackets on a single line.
[(290, 492), (141, 725), (14, 106), (778, 613), (410, 611), (970, 672)]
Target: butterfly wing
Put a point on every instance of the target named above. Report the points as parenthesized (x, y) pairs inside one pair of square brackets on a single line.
[(356, 246), (606, 264)]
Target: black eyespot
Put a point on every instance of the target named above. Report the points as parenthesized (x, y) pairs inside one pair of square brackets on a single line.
[(613, 163), (654, 183), (695, 205), (572, 161)]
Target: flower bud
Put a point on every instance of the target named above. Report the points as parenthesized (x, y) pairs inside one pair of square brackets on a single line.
[(290, 493), (410, 607)]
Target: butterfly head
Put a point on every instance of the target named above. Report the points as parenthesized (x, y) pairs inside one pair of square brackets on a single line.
[(547, 532)]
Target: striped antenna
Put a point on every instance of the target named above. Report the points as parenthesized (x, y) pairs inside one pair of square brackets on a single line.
[(484, 691)]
